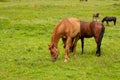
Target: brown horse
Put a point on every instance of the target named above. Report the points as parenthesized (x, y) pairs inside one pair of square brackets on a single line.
[(91, 29), (66, 29), (95, 16)]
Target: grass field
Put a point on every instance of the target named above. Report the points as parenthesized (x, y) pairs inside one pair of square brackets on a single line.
[(25, 32)]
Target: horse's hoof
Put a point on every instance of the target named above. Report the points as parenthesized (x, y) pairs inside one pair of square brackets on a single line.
[(65, 60), (75, 56), (98, 55)]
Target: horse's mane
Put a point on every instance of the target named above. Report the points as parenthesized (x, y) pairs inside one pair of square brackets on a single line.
[(56, 28), (54, 33), (58, 25)]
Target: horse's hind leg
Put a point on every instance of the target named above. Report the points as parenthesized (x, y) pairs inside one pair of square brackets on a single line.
[(98, 46), (99, 40), (98, 52)]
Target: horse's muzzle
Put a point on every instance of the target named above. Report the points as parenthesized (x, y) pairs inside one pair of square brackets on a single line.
[(54, 59)]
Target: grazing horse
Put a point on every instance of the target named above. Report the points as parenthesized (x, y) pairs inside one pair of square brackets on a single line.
[(84, 0), (66, 29), (91, 29), (95, 16), (108, 19)]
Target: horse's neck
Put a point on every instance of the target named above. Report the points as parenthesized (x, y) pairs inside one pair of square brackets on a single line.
[(55, 39), (56, 35)]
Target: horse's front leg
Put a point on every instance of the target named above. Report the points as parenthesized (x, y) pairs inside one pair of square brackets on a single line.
[(107, 23), (72, 45), (75, 43), (82, 44), (64, 42), (68, 44)]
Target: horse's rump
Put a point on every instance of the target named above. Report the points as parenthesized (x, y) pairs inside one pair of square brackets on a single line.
[(85, 29), (96, 28)]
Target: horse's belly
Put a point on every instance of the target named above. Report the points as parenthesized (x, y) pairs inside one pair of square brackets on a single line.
[(87, 35)]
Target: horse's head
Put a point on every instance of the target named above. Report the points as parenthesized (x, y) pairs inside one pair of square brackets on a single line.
[(104, 19), (54, 52)]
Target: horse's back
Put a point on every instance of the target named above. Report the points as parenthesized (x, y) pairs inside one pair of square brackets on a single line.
[(75, 22), (107, 18), (114, 18), (68, 27), (75, 28)]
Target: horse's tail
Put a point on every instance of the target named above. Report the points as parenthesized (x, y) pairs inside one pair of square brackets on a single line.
[(101, 34)]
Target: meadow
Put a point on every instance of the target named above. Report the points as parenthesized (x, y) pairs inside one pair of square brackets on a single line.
[(25, 32)]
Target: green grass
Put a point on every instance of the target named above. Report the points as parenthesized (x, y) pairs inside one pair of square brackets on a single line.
[(25, 32)]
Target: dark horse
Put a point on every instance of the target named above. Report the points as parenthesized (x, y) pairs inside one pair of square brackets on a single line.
[(84, 0), (108, 19), (91, 29), (95, 16)]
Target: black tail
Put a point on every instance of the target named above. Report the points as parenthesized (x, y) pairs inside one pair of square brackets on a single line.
[(101, 34), (98, 52)]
